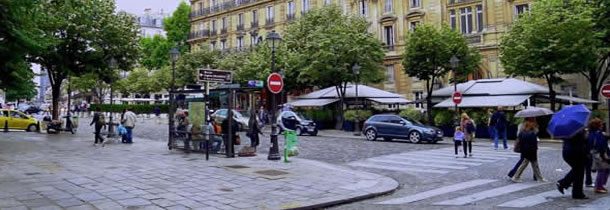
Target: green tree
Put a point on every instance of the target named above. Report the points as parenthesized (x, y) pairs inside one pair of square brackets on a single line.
[(18, 37), (325, 44), (82, 36), (141, 81), (187, 65), (155, 52), (428, 51), (178, 26), (598, 75), (553, 39)]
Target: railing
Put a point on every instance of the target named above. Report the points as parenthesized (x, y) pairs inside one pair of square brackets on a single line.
[(254, 24), (220, 7), (213, 33), (240, 27), (389, 47), (290, 17), (269, 22), (451, 2), (474, 38), (199, 34), (223, 30)]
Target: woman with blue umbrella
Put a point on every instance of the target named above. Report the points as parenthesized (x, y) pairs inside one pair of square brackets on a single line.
[(569, 124)]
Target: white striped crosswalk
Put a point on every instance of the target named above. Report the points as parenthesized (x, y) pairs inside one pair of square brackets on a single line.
[(436, 161)]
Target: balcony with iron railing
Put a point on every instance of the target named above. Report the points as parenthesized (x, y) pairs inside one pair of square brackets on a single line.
[(476, 38), (220, 8), (223, 30), (213, 32), (455, 2), (290, 17), (240, 27), (389, 47), (254, 24), (199, 34)]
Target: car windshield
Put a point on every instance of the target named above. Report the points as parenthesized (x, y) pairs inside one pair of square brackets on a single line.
[(413, 121)]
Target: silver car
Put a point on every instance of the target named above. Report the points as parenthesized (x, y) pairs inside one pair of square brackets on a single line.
[(221, 114)]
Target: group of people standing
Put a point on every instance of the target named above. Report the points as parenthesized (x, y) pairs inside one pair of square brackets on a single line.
[(127, 122)]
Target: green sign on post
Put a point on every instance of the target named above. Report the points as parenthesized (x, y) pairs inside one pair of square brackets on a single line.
[(290, 144)]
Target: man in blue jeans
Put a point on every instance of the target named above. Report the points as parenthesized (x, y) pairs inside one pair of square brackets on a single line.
[(499, 120)]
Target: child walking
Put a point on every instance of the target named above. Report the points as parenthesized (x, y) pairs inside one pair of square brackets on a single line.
[(458, 138)]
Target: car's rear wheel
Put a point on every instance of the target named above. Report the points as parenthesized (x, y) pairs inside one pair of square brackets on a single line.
[(299, 131), (414, 137), (370, 134), (314, 132), (31, 128)]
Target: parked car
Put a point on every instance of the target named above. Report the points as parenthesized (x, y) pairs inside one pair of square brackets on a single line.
[(32, 110), (221, 114), (17, 120), (300, 123), (390, 126)]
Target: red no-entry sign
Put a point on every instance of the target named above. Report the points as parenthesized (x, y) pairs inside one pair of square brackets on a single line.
[(606, 90), (275, 83), (457, 97)]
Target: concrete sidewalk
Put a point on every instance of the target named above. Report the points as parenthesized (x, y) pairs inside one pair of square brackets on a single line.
[(68, 172)]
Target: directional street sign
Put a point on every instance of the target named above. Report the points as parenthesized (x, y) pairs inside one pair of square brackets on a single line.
[(275, 83), (457, 97), (212, 75), (606, 90)]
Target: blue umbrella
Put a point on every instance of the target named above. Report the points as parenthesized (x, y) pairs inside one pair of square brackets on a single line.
[(569, 121)]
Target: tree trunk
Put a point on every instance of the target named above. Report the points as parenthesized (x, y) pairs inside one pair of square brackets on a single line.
[(56, 92), (429, 108), (594, 94)]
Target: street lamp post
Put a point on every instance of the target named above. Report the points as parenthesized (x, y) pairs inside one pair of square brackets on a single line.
[(174, 54), (113, 66), (273, 39), (356, 71), (454, 61)]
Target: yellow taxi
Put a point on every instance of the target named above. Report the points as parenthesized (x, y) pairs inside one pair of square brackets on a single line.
[(17, 120)]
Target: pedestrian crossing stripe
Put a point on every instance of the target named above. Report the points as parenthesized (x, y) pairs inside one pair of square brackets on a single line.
[(430, 160), (438, 191), (467, 199), (385, 160), (532, 200), (396, 168)]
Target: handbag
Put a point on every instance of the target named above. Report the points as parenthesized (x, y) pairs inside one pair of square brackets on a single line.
[(517, 146), (237, 140)]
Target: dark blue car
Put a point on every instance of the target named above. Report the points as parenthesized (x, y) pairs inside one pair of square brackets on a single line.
[(389, 126)]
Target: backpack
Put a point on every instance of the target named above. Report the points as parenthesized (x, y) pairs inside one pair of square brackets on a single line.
[(101, 119), (470, 127)]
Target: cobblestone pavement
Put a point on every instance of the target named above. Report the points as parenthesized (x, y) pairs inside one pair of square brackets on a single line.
[(66, 171), (431, 177)]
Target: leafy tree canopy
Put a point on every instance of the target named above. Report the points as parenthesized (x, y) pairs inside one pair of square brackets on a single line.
[(155, 52), (178, 26)]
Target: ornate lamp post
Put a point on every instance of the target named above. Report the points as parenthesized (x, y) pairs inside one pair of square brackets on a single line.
[(273, 40), (113, 65), (356, 71), (454, 61), (174, 54)]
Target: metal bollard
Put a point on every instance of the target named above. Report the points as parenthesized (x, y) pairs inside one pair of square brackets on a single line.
[(6, 126)]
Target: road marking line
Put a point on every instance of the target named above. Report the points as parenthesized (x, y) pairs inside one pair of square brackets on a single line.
[(438, 191), (488, 194), (446, 157), (401, 169), (454, 161), (474, 158), (533, 200), (482, 154), (428, 165)]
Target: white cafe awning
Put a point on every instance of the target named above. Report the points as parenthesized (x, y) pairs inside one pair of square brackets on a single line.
[(486, 101), (390, 100), (574, 99), (312, 102)]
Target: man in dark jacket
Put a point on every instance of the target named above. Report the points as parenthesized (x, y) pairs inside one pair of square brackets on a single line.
[(574, 153), (498, 119), (229, 133), (99, 121)]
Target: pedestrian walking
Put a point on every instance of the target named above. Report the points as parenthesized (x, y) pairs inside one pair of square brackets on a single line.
[(458, 140), (589, 163), (512, 172), (262, 115), (498, 119), (574, 154), (469, 128), (100, 122), (157, 112), (129, 122), (600, 154), (528, 146), (253, 131)]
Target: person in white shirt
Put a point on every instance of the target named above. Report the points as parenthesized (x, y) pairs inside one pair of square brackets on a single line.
[(129, 122)]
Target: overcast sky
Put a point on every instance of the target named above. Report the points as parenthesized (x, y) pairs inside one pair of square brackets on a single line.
[(137, 6)]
